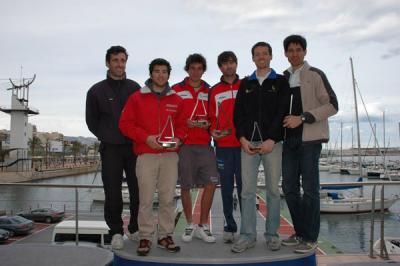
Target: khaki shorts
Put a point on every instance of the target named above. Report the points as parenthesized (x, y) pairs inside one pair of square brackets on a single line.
[(197, 166)]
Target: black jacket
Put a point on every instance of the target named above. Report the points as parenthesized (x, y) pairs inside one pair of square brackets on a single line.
[(104, 103), (265, 104)]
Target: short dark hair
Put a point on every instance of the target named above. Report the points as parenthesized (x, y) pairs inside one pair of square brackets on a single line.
[(297, 39), (159, 62), (265, 44), (225, 57), (115, 50), (195, 58)]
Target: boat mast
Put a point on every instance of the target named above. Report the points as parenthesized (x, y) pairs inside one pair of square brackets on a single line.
[(384, 142), (375, 150), (352, 146), (341, 144), (357, 121)]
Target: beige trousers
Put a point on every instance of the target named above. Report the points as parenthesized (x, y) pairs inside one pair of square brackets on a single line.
[(157, 171)]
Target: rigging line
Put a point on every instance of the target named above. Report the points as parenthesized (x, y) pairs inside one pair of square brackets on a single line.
[(369, 120)]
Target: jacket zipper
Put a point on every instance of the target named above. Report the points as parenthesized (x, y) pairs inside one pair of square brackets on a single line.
[(159, 113)]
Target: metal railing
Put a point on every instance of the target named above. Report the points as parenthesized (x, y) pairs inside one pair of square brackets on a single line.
[(383, 250), (75, 187)]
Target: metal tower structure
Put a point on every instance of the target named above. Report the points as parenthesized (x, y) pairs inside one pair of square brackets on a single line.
[(19, 134)]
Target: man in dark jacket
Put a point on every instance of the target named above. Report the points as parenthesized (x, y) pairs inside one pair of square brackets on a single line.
[(104, 104), (258, 115)]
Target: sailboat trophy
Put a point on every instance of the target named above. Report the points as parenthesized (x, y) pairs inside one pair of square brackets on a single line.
[(164, 140), (199, 119), (222, 129), (256, 144)]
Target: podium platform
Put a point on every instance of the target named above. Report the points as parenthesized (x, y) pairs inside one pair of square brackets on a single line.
[(198, 252)]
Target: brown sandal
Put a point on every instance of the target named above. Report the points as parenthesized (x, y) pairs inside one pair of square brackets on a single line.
[(144, 247), (168, 244)]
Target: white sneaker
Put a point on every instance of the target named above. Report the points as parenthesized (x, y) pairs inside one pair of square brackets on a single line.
[(133, 237), (203, 232), (188, 233), (228, 237), (117, 242), (242, 244)]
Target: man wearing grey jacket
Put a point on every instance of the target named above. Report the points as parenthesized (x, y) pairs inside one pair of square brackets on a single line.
[(312, 101)]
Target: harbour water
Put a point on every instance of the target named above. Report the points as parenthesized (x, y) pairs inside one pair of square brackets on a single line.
[(349, 233)]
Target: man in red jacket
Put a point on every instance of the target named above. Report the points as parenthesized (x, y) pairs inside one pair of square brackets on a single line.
[(197, 164), (222, 101), (153, 119)]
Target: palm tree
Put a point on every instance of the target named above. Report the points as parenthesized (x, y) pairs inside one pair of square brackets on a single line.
[(33, 144), (2, 151), (95, 148), (76, 148)]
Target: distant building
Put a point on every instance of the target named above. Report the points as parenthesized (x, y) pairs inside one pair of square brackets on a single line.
[(46, 137)]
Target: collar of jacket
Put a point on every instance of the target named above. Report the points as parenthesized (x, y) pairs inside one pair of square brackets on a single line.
[(185, 81), (223, 81), (272, 75), (305, 66), (149, 84), (115, 82)]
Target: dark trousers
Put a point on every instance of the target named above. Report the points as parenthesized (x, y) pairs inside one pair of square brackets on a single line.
[(301, 161), (229, 168), (117, 159)]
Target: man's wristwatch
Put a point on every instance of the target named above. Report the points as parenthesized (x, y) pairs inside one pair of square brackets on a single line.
[(303, 118)]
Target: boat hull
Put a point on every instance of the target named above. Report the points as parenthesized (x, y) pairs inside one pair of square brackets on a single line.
[(353, 205)]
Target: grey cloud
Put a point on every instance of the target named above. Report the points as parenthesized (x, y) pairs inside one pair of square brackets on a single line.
[(350, 21), (391, 53)]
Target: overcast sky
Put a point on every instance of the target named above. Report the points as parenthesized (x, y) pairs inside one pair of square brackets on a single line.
[(64, 43)]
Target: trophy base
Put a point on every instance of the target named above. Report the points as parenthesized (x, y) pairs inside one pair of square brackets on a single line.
[(256, 146), (223, 133), (201, 123), (168, 144), (255, 149)]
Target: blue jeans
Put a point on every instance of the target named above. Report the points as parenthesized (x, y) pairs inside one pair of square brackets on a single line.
[(228, 161), (272, 163), (302, 160)]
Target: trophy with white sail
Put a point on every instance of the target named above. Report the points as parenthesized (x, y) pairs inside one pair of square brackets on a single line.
[(199, 116), (167, 141), (256, 145), (222, 129)]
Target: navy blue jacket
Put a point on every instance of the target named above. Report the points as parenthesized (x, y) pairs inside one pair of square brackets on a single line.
[(104, 103), (264, 104)]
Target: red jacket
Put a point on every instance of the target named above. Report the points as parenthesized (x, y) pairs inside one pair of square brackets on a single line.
[(224, 95), (190, 96), (146, 113)]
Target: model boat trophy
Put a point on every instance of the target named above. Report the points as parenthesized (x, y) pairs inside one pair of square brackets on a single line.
[(222, 129), (256, 145), (167, 141), (199, 118)]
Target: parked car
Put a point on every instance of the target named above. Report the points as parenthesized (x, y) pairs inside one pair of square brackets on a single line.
[(4, 235), (46, 215), (16, 224)]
